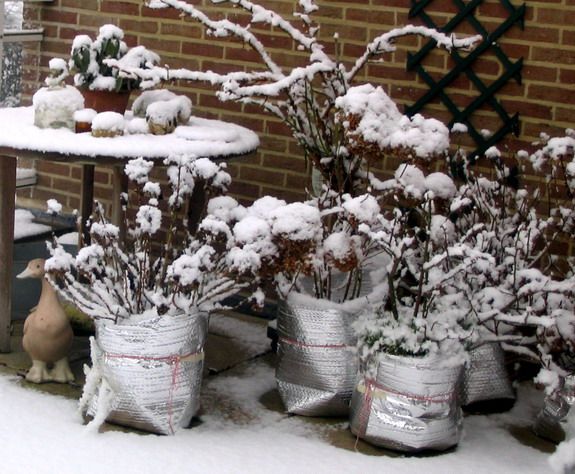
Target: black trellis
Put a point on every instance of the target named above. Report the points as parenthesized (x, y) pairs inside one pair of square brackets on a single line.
[(464, 65)]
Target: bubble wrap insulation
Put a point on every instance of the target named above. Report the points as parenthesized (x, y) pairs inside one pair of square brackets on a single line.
[(411, 405), (556, 407), (486, 377), (316, 368), (154, 369)]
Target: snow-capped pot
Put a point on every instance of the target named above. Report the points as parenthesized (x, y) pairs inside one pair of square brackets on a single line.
[(552, 419), (486, 380), (408, 403), (146, 372), (316, 361)]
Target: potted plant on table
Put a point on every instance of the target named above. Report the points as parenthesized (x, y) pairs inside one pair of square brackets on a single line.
[(150, 297), (105, 87)]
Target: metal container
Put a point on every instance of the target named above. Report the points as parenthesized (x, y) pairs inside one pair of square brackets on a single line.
[(556, 407), (411, 404), (485, 378), (317, 364), (147, 374)]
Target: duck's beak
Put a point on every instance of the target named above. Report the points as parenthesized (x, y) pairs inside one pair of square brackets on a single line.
[(26, 273)]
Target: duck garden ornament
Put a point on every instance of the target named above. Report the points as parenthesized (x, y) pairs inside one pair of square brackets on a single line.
[(47, 333)]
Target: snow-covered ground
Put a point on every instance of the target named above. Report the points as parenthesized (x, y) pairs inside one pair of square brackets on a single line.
[(13, 12), (240, 432)]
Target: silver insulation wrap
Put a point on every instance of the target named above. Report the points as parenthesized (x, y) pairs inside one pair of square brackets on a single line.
[(147, 375), (486, 378), (316, 366), (411, 404), (556, 407)]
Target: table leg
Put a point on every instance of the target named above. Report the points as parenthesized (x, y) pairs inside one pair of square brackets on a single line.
[(196, 205), (87, 201), (7, 205)]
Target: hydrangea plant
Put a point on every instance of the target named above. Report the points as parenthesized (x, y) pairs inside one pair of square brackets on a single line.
[(162, 266)]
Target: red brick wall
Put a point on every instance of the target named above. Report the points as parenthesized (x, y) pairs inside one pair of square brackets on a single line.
[(544, 99)]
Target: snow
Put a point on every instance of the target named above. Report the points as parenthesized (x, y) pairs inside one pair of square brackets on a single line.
[(441, 185), (24, 225), (411, 178), (43, 434), (149, 97), (18, 131), (13, 12), (459, 128), (382, 123), (109, 121), (53, 207), (363, 208), (55, 107), (85, 115), (179, 108), (70, 238), (296, 221)]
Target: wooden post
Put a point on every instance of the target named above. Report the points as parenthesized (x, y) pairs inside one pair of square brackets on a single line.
[(87, 200), (7, 205)]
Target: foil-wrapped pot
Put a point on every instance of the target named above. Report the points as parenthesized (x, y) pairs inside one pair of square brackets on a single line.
[(316, 364), (550, 420), (485, 378), (410, 404), (147, 374)]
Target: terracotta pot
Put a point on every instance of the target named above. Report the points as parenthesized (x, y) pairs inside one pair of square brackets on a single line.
[(106, 101)]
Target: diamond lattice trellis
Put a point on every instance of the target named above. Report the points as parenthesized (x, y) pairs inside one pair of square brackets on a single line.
[(466, 65)]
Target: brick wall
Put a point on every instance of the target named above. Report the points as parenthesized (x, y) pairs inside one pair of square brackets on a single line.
[(545, 98)]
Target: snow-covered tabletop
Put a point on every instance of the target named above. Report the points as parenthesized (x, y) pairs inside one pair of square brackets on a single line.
[(200, 138)]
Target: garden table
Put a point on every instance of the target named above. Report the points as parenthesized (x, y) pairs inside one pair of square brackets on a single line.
[(20, 138)]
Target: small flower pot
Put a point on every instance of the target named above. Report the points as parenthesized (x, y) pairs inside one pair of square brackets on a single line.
[(106, 101), (409, 404), (147, 374), (316, 366)]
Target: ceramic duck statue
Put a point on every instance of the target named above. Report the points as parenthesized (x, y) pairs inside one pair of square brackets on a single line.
[(47, 332)]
